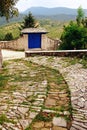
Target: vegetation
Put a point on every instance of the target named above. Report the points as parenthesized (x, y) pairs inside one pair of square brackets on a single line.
[(43, 116), (3, 119), (29, 21), (75, 60), (54, 28), (74, 35), (3, 77), (12, 29), (8, 36), (80, 16), (7, 8), (14, 19)]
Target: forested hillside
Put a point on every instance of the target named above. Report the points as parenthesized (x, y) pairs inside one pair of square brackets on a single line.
[(54, 28), (53, 19)]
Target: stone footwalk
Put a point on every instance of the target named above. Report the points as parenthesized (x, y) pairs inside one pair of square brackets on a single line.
[(76, 78)]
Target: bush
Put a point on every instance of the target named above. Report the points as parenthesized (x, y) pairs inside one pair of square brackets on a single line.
[(74, 37), (8, 37)]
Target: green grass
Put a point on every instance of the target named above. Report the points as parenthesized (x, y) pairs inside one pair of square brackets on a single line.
[(43, 116), (54, 28), (54, 32), (3, 119), (83, 61), (10, 28), (3, 78), (75, 60)]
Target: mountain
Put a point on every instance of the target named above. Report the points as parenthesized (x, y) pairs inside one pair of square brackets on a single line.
[(58, 17), (58, 13), (52, 11)]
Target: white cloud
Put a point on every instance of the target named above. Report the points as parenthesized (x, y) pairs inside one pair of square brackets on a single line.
[(24, 4)]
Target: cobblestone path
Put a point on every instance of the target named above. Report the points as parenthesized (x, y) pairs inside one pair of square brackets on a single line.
[(33, 97), (76, 77), (22, 109)]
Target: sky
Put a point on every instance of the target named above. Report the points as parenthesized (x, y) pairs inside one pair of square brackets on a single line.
[(23, 5)]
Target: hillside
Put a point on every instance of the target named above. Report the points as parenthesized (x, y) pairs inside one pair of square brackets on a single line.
[(52, 21), (59, 14), (58, 17), (14, 19), (12, 28)]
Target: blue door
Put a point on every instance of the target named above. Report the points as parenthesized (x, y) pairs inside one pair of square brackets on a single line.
[(34, 40)]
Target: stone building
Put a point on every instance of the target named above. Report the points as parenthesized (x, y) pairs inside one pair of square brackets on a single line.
[(37, 39), (32, 39)]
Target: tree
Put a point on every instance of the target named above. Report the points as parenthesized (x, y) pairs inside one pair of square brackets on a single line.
[(84, 22), (80, 15), (74, 37), (7, 8), (29, 21)]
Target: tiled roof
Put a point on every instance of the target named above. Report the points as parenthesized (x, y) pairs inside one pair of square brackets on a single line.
[(34, 30)]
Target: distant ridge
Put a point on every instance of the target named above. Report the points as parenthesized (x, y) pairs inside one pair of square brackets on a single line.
[(52, 11), (58, 13)]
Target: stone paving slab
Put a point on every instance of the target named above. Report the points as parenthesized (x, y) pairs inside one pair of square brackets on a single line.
[(27, 96), (76, 77)]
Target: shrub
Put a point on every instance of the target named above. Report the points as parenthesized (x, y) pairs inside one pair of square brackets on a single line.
[(8, 37), (73, 37)]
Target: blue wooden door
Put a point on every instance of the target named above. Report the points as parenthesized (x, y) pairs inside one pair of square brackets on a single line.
[(34, 40)]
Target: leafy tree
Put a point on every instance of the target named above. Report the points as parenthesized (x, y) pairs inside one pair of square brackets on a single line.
[(29, 21), (74, 37), (7, 8), (80, 15), (84, 22)]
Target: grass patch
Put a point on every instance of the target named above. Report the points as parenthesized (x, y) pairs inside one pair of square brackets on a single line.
[(75, 60), (4, 77), (3, 119), (70, 61), (43, 116), (55, 28), (83, 61), (12, 28)]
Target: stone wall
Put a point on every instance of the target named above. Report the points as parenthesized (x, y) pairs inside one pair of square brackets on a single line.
[(63, 53), (18, 44), (22, 43), (49, 44)]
